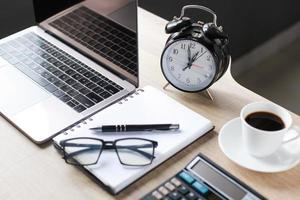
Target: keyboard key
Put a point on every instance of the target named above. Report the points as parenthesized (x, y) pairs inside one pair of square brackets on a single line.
[(77, 76), (111, 89), (105, 95), (79, 108), (52, 79), (63, 68), (58, 73), (88, 74), (77, 86), (51, 88), (84, 91), (64, 77), (41, 81), (58, 93), (65, 88), (73, 93), (98, 90), (65, 98), (84, 101), (46, 74), (70, 81), (71, 104), (83, 81), (91, 85), (70, 72), (94, 97), (74, 102), (95, 79), (102, 83), (59, 84)]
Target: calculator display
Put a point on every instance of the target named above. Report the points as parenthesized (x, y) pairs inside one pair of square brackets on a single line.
[(218, 181)]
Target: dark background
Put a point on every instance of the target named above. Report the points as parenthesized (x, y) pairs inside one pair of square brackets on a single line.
[(249, 23)]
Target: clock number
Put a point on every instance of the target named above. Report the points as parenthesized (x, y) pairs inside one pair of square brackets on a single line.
[(172, 68), (183, 46), (170, 59), (188, 80), (192, 45), (175, 51), (208, 58), (178, 76)]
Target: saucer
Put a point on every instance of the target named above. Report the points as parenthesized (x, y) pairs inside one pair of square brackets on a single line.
[(230, 142)]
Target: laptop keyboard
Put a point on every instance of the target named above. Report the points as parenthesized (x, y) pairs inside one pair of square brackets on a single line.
[(101, 35), (64, 76)]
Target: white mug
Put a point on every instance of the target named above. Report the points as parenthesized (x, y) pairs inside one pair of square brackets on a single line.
[(262, 143)]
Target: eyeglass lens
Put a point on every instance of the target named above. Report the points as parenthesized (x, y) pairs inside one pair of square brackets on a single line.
[(86, 151), (83, 151), (135, 151)]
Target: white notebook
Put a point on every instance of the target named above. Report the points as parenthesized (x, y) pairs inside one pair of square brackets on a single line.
[(146, 106)]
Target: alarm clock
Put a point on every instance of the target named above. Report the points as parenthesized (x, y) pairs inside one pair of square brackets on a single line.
[(197, 54)]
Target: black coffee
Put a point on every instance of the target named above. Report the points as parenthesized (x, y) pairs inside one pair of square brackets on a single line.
[(265, 121)]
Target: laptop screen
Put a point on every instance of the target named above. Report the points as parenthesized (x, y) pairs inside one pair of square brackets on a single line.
[(104, 30)]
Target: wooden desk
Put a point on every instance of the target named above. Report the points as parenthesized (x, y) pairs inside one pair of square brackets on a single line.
[(28, 171)]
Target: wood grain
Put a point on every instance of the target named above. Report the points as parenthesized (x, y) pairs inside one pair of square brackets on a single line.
[(28, 171)]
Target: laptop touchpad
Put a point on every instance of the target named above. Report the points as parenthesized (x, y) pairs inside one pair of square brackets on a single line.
[(17, 91)]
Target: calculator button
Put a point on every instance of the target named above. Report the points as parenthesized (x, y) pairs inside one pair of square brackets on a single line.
[(202, 189), (175, 195), (170, 186), (148, 197), (183, 190), (157, 195), (176, 182), (163, 190), (191, 196), (186, 177)]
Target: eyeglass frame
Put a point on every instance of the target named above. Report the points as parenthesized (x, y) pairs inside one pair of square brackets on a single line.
[(107, 147)]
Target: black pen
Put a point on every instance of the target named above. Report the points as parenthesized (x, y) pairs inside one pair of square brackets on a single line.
[(136, 127)]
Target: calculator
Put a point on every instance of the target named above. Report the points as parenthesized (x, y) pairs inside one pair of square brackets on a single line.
[(202, 179)]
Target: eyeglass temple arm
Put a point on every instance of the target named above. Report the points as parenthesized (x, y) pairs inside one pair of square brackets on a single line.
[(91, 147)]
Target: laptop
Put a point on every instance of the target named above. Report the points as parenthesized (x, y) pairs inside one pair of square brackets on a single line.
[(80, 57)]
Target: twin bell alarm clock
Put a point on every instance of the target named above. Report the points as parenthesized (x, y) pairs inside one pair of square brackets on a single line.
[(196, 54)]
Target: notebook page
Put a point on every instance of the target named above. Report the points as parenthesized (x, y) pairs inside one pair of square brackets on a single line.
[(148, 107)]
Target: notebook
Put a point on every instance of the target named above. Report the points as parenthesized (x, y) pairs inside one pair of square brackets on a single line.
[(146, 106)]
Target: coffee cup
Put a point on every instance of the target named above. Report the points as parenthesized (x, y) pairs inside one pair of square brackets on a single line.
[(265, 127)]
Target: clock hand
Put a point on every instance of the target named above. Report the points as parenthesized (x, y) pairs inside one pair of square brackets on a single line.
[(189, 53), (191, 61), (200, 56), (189, 58)]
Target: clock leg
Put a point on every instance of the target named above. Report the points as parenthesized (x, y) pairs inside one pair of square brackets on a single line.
[(165, 86), (207, 92)]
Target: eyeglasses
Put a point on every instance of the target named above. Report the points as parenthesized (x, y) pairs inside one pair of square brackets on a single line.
[(86, 151)]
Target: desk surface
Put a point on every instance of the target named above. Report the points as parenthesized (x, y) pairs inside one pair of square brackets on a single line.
[(28, 171)]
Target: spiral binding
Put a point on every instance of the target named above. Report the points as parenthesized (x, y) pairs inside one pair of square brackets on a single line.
[(85, 122)]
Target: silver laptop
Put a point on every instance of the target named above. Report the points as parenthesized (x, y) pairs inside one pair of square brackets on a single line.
[(79, 58)]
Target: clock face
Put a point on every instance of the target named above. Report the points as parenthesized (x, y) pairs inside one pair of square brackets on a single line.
[(188, 65)]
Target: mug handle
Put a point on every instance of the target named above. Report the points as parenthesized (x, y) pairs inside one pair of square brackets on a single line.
[(297, 130)]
